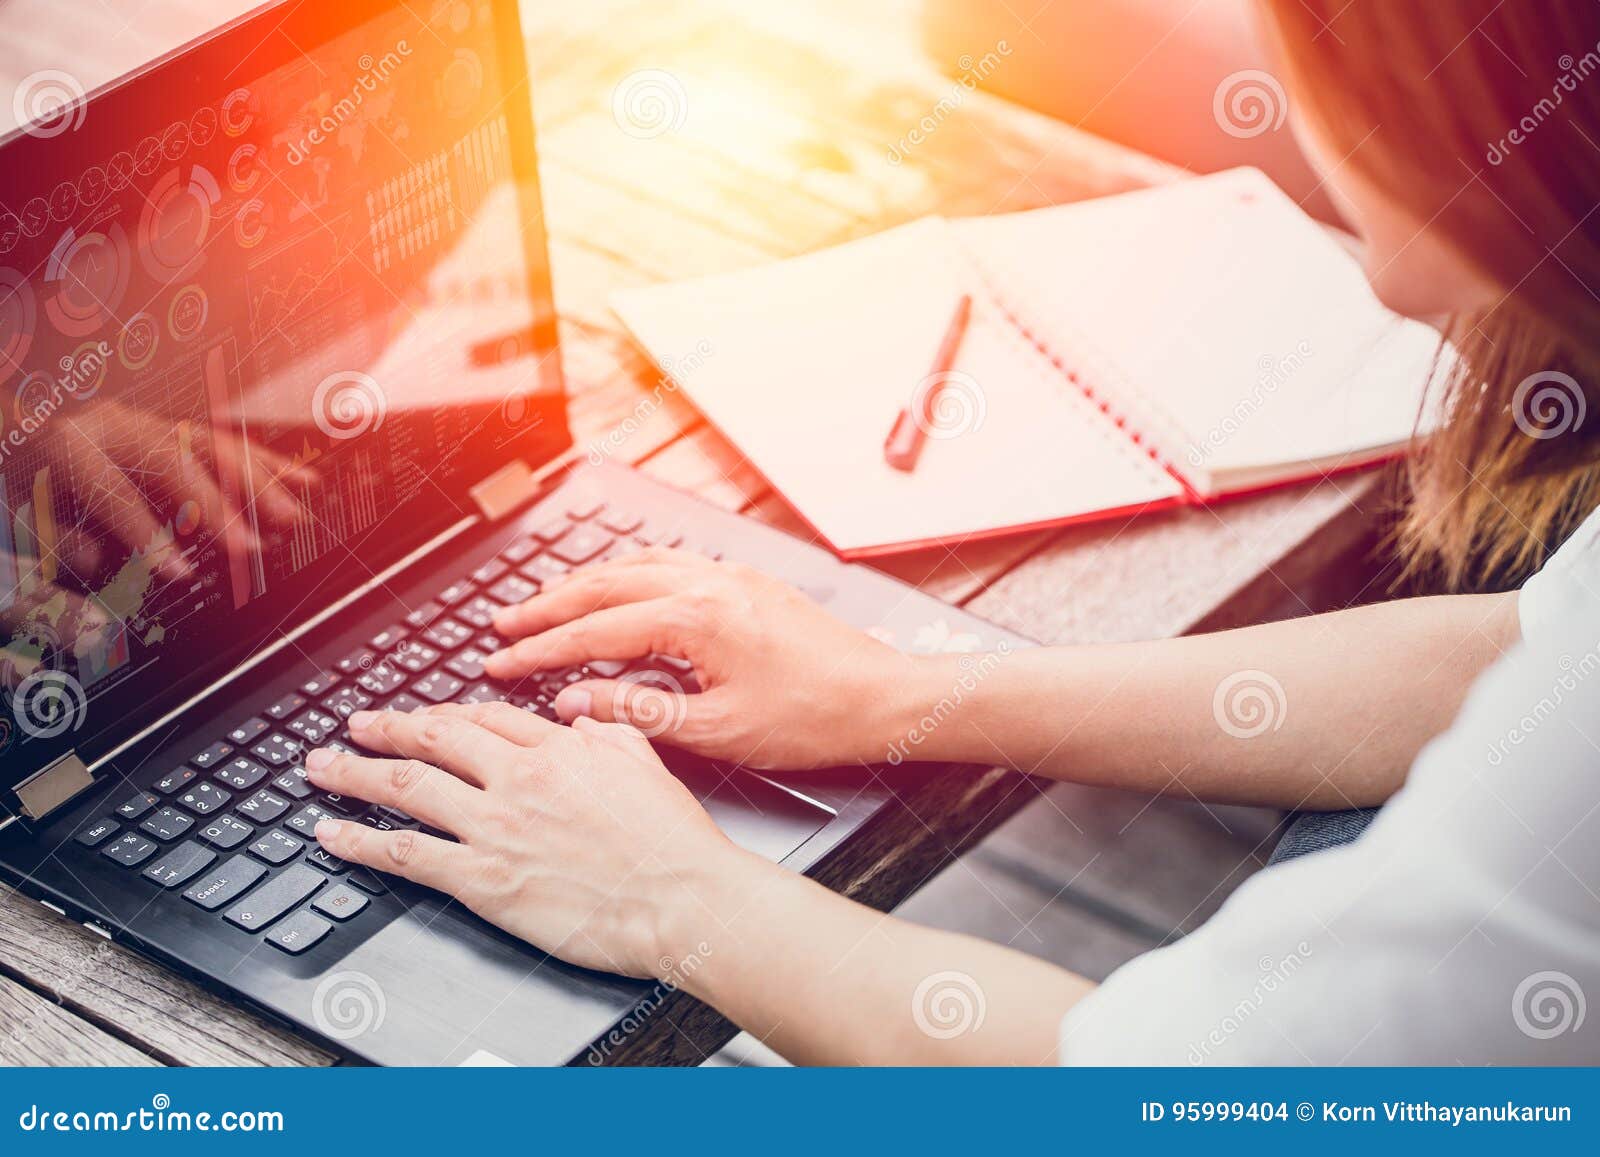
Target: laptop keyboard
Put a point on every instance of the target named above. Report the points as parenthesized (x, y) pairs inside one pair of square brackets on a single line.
[(231, 829)]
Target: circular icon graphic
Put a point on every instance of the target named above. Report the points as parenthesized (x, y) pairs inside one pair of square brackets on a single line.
[(119, 171), (461, 83), (17, 317), (35, 216), (89, 275), (35, 398), (175, 141), (147, 157), (176, 220), (186, 316), (243, 172), (187, 520), (236, 115), (202, 127), (250, 224), (63, 200), (137, 342), (92, 186)]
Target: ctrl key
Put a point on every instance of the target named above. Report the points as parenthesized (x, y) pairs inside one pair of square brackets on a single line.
[(298, 933), (220, 885)]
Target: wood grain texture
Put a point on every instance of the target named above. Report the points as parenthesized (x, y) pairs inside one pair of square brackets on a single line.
[(787, 147)]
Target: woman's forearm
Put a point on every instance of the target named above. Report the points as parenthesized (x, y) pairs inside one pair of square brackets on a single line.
[(1323, 712), (824, 980)]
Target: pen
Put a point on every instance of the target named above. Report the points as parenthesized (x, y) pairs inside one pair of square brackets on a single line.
[(904, 444)]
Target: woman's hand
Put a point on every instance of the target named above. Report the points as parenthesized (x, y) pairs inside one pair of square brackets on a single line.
[(576, 839), (783, 683)]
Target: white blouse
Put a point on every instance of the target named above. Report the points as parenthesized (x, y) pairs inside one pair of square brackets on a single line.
[(1462, 928)]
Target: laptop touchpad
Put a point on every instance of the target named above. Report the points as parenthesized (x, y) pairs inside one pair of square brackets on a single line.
[(754, 813)]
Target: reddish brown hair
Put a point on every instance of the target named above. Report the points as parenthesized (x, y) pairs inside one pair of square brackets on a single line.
[(1482, 121)]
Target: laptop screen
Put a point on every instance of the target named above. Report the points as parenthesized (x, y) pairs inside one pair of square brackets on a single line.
[(268, 309)]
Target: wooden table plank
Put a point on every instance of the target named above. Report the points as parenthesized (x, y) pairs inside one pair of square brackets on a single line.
[(175, 1021), (35, 1032)]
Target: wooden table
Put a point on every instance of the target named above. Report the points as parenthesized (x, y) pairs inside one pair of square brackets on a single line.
[(785, 147)]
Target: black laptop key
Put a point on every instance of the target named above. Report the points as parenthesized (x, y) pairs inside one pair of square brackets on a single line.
[(285, 707), (264, 807), (519, 550), (167, 824), (277, 750), (490, 571), (241, 774), (319, 684), (456, 592), (478, 613), (98, 832), (276, 847), (279, 894), (298, 933), (315, 727), (357, 661), (205, 798), (447, 635), (581, 545), (482, 693), (347, 700), (305, 820), (226, 882), (467, 664), (553, 529), (212, 755), (397, 817), (130, 849), (367, 881), (438, 687), (414, 657), (340, 901), (326, 860), (180, 865), (389, 638), (226, 832), (176, 779), (292, 783), (384, 679), (513, 589), (424, 615), (137, 805), (249, 731)]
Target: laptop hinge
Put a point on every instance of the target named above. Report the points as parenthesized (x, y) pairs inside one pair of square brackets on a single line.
[(505, 490), (44, 791)]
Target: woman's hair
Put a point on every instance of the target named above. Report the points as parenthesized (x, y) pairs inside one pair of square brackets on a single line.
[(1481, 120)]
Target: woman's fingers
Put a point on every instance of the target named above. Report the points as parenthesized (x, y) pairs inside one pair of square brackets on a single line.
[(618, 735), (428, 860), (629, 632), (584, 593), (512, 723), (652, 708), (459, 747), (435, 797)]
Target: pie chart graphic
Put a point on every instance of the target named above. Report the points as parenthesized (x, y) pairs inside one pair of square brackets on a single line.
[(88, 277), (176, 220), (188, 519)]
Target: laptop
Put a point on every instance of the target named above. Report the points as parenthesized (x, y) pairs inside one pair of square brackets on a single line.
[(284, 423)]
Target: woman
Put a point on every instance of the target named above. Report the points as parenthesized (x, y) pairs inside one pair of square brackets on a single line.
[(1442, 934)]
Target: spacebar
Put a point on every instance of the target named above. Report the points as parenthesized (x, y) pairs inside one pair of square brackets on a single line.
[(275, 897)]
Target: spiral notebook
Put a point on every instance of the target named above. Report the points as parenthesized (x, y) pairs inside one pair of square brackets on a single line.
[(1173, 345)]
